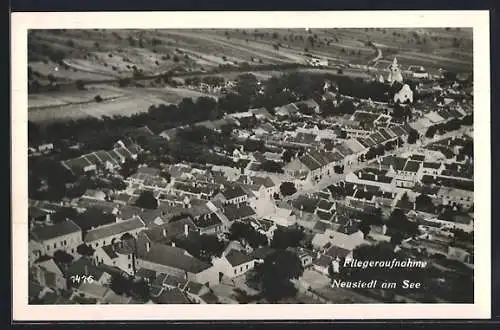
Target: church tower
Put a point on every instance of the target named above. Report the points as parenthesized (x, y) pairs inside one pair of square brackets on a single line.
[(394, 72)]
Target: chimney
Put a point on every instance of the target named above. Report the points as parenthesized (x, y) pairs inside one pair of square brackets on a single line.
[(414, 206), (384, 229), (164, 232), (186, 230), (148, 246), (376, 177)]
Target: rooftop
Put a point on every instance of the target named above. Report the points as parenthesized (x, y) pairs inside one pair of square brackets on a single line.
[(53, 231), (237, 258), (174, 257), (113, 229)]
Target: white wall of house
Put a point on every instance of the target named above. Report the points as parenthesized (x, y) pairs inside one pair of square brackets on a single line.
[(112, 238), (222, 265), (67, 243), (123, 261), (209, 277), (467, 227)]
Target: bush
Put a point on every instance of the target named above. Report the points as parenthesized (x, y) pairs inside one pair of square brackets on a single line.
[(98, 98), (288, 188)]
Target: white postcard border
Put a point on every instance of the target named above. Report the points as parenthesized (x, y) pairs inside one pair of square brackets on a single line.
[(478, 20)]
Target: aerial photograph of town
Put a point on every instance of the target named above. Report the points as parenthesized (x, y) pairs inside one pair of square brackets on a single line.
[(250, 166)]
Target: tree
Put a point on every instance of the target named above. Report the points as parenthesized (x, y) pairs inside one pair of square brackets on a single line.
[(119, 284), (275, 273), (287, 188), (139, 289), (287, 156), (287, 237), (85, 250), (147, 200), (424, 202), (396, 238), (166, 175), (80, 84), (412, 136), (62, 258), (117, 183), (203, 247), (346, 107), (365, 228), (98, 98), (431, 131), (399, 222)]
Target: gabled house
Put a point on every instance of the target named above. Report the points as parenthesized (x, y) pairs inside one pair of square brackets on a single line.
[(175, 261), (111, 233), (86, 267), (48, 274), (234, 263), (118, 255), (232, 195), (209, 224), (408, 176), (334, 238), (287, 110), (238, 213), (65, 235)]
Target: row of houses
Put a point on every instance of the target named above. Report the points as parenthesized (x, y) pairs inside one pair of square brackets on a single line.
[(110, 160)]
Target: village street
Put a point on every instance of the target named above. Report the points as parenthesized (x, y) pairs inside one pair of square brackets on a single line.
[(406, 148)]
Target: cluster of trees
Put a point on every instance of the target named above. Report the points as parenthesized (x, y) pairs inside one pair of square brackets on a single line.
[(271, 166), (413, 136), (375, 151), (147, 200), (424, 203), (244, 232), (209, 80), (463, 236), (274, 275), (49, 180), (195, 153), (201, 246), (328, 108), (451, 125), (41, 51), (400, 226), (139, 289), (287, 237)]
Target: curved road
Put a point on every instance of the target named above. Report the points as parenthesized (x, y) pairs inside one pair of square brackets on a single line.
[(379, 54)]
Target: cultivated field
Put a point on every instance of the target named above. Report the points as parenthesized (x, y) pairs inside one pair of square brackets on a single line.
[(94, 55), (116, 101)]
